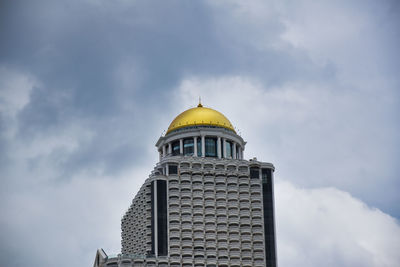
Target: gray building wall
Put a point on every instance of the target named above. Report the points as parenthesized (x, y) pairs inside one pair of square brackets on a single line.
[(215, 214)]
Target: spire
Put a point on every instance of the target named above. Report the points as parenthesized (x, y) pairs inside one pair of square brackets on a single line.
[(199, 105)]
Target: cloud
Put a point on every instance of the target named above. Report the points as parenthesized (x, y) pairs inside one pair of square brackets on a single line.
[(329, 227), (315, 133), (51, 220), (87, 87)]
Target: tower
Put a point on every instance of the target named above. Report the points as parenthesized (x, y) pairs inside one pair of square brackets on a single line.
[(203, 204)]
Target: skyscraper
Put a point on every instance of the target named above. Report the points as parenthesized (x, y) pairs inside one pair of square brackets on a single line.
[(203, 204)]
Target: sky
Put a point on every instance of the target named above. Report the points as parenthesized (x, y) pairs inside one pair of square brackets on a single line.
[(87, 87)]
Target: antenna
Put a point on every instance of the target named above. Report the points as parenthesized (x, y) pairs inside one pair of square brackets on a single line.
[(199, 105)]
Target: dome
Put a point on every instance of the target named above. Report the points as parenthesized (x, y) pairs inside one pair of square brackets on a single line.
[(200, 116)]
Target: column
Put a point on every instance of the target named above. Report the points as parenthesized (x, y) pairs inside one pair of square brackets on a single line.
[(164, 150), (224, 146), (203, 146), (219, 147), (195, 146), (169, 149), (181, 146), (234, 150)]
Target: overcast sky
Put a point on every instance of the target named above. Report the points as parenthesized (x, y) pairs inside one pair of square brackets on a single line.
[(87, 87)]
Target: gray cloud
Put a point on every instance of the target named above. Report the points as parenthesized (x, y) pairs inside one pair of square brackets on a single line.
[(86, 88)]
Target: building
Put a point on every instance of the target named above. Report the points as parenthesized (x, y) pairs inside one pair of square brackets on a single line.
[(203, 204)]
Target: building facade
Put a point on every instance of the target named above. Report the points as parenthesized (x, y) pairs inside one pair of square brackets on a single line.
[(203, 204)]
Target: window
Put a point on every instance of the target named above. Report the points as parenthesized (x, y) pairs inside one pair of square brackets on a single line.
[(221, 148), (162, 217), (228, 146), (254, 173), (152, 252), (268, 209), (211, 147), (175, 148), (188, 146), (199, 146), (172, 169)]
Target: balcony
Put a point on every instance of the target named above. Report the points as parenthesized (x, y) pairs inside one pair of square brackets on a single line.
[(257, 221), (175, 251), (233, 205), (186, 227), (244, 213), (199, 243), (186, 210), (198, 228), (186, 218), (209, 188), (233, 211), (210, 228), (211, 261), (174, 234), (210, 236), (174, 210), (256, 206), (220, 179), (197, 218), (244, 181), (210, 219), (196, 175), (258, 247), (235, 262), (198, 203), (246, 245), (199, 261), (209, 179), (173, 185), (258, 255), (234, 246), (223, 262), (244, 196), (174, 193), (174, 218), (222, 237), (186, 194), (186, 235), (256, 214), (221, 195), (258, 238), (186, 186), (185, 170), (173, 202), (198, 211), (185, 177), (245, 222), (175, 259), (209, 203), (221, 204)]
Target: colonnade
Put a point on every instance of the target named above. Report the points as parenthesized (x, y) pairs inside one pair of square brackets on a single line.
[(235, 153)]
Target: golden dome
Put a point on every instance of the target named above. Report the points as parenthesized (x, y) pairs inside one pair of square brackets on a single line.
[(200, 116)]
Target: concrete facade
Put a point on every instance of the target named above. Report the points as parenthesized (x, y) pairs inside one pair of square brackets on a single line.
[(215, 207)]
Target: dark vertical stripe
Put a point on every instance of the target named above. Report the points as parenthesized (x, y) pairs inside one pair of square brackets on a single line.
[(153, 252), (162, 218), (269, 226)]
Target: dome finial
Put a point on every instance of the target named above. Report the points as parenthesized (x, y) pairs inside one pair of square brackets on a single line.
[(199, 105)]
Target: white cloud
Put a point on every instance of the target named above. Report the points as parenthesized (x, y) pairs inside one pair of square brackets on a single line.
[(73, 218), (15, 88), (328, 227), (315, 134)]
